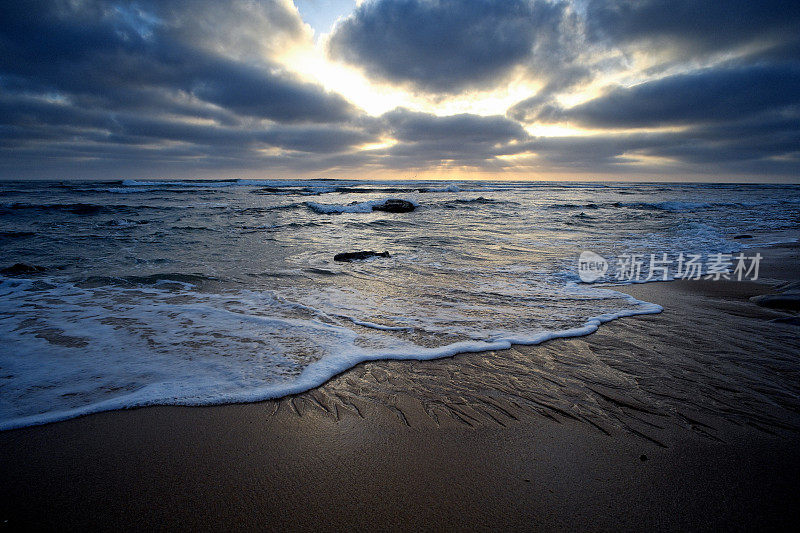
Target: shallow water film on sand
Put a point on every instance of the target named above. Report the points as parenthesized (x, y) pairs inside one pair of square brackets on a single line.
[(132, 293)]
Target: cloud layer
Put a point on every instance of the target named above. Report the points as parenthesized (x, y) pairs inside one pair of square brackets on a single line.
[(645, 88), (174, 81)]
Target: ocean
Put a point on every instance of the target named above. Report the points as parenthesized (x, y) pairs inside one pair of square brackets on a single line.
[(203, 292)]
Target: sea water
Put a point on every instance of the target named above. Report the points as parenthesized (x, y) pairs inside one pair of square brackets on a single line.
[(200, 292)]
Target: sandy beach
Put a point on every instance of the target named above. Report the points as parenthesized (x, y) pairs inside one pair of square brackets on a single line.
[(399, 265), (688, 419)]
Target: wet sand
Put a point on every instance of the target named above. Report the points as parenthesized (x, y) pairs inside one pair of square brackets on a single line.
[(689, 419)]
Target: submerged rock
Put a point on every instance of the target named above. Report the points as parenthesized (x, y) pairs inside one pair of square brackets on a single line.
[(20, 269), (394, 205), (346, 257)]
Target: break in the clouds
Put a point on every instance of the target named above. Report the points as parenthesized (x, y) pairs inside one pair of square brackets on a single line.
[(517, 88)]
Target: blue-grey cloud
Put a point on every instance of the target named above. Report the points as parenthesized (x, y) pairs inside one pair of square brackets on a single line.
[(460, 140), (707, 96), (106, 85), (697, 26), (410, 126), (101, 54), (738, 116), (449, 45), (101, 88)]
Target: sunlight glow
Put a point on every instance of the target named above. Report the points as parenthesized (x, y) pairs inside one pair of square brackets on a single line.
[(383, 144), (312, 64)]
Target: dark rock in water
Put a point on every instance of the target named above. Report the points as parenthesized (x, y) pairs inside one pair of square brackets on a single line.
[(787, 300), (20, 269), (346, 257), (395, 206), (743, 237)]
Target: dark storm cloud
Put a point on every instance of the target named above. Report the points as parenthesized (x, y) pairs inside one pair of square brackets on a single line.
[(691, 25), (101, 53), (761, 146), (39, 119), (101, 88), (740, 114), (412, 126), (464, 139), (448, 45), (672, 34), (247, 92), (699, 97), (425, 140), (85, 83)]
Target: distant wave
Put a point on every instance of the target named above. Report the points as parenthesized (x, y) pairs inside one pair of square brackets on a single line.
[(652, 206), (182, 183), (282, 191), (260, 210), (479, 200), (672, 206), (381, 223), (449, 188), (193, 280), (97, 209)]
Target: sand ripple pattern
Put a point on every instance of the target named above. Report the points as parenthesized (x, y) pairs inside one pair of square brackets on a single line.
[(722, 363)]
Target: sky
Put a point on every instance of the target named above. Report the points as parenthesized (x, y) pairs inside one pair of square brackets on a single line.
[(669, 90)]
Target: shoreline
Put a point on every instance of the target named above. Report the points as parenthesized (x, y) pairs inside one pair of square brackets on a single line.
[(324, 370), (622, 429), (331, 371)]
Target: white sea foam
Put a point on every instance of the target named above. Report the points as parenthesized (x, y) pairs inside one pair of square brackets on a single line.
[(231, 348), (358, 207)]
